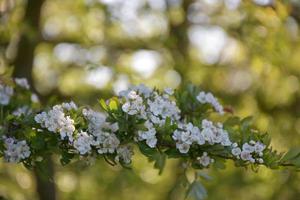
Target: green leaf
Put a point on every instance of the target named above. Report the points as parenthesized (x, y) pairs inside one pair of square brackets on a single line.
[(66, 157), (246, 123), (296, 162), (173, 153), (291, 154), (219, 164), (103, 104), (168, 122), (204, 175), (196, 191), (113, 103), (160, 162), (153, 155), (38, 143), (232, 121), (147, 151)]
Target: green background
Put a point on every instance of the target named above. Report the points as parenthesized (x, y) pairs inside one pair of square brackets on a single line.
[(246, 52)]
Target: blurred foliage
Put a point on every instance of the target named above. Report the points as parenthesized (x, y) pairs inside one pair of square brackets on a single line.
[(247, 52)]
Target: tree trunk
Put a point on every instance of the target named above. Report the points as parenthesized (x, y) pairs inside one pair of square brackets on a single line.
[(29, 38), (23, 64)]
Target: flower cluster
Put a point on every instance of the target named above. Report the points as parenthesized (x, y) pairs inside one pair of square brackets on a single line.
[(83, 143), (187, 134), (203, 98), (215, 134), (69, 106), (57, 122), (152, 107), (148, 135), (99, 135), (252, 151), (5, 94), (161, 107), (134, 104), (103, 132), (15, 150), (140, 115)]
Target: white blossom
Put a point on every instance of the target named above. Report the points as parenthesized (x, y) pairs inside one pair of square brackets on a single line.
[(150, 105), (215, 134), (5, 94), (69, 106), (22, 82), (104, 140), (148, 135), (83, 143), (201, 97), (259, 147), (96, 119), (56, 121), (15, 150), (248, 147), (24, 110), (250, 151), (162, 107), (124, 153), (34, 98), (67, 128), (236, 152), (107, 142), (134, 105), (169, 91), (140, 89), (189, 134), (260, 160), (133, 95), (186, 135), (205, 160), (182, 147), (209, 98), (247, 156)]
